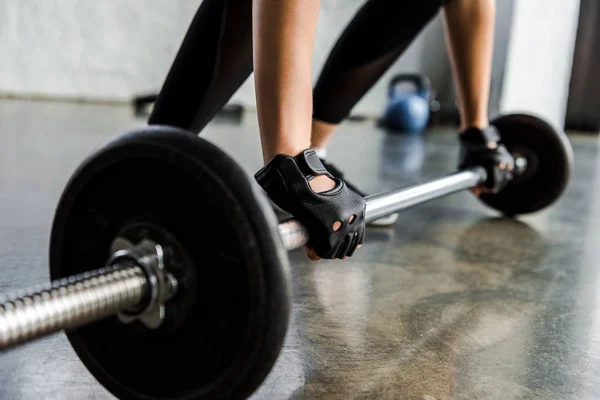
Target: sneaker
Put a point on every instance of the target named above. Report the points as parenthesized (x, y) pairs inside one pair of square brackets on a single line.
[(383, 221)]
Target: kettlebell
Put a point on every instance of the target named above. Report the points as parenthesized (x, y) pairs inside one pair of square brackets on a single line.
[(407, 110)]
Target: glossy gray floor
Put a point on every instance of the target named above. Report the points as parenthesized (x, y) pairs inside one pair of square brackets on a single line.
[(451, 303)]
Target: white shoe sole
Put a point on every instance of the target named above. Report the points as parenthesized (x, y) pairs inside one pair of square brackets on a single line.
[(385, 221)]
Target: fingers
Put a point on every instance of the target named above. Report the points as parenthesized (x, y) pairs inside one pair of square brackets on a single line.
[(353, 245), (311, 253), (347, 249), (477, 190)]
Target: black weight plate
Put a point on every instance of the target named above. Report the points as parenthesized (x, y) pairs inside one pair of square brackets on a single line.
[(174, 180), (549, 163)]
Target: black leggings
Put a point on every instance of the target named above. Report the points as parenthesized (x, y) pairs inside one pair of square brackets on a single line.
[(215, 59)]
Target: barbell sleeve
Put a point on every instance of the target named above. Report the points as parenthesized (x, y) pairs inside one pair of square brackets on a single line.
[(295, 235), (71, 302)]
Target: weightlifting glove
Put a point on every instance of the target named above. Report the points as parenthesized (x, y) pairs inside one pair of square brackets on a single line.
[(480, 147), (286, 179)]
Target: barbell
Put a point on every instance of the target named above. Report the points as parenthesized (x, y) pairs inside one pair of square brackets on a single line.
[(169, 270)]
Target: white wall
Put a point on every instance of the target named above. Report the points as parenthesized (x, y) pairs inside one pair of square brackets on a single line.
[(116, 49), (106, 49), (540, 57)]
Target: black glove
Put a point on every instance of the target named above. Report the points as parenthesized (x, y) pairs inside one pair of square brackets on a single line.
[(480, 147), (285, 179)]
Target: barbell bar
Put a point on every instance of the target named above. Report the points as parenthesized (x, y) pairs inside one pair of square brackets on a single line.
[(70, 302)]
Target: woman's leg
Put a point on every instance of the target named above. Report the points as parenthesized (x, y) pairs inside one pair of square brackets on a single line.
[(379, 33), (469, 27), (213, 61)]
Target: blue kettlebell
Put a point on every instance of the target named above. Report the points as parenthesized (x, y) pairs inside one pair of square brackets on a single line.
[(408, 109)]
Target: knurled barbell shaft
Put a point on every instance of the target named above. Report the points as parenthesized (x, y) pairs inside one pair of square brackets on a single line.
[(71, 302)]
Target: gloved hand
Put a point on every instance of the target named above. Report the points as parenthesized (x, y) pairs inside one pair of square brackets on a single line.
[(286, 179), (480, 147)]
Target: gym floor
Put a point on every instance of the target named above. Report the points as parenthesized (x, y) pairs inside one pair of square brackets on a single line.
[(451, 302)]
